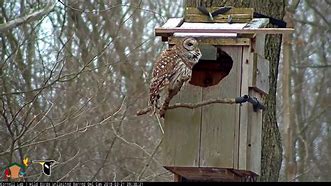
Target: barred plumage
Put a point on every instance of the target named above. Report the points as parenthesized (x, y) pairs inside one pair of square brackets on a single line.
[(174, 65)]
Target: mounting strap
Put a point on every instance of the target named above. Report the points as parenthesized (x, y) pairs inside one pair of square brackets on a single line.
[(253, 100)]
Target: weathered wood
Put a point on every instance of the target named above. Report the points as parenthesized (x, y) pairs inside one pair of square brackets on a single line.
[(236, 18), (254, 136), (177, 178), (260, 79), (217, 135), (209, 52), (258, 23), (239, 15), (245, 75), (216, 41), (219, 121), (211, 174), (173, 22), (258, 44), (259, 39), (193, 10), (211, 72), (202, 35), (271, 157), (161, 31), (182, 130), (212, 26)]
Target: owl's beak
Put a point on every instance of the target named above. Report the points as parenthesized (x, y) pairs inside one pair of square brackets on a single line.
[(195, 56)]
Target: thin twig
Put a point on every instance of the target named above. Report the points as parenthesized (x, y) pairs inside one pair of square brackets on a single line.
[(160, 124), (70, 171), (150, 159), (28, 18), (77, 130), (192, 105), (203, 103), (133, 144)]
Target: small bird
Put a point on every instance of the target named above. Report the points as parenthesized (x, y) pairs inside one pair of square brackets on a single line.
[(172, 68)]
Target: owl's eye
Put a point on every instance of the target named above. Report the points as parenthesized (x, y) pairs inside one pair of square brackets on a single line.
[(190, 44)]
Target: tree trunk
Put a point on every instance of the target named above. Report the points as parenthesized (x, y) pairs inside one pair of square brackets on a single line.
[(288, 117), (271, 141)]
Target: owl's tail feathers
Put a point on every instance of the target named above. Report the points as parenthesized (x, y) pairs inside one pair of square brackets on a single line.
[(153, 104), (152, 108), (144, 111)]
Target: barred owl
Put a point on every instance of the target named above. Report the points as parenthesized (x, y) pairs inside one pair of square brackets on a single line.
[(172, 69)]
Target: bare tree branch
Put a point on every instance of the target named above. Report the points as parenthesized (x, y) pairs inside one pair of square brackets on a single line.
[(149, 160), (29, 18), (192, 105)]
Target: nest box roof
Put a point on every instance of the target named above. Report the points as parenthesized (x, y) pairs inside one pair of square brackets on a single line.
[(177, 27)]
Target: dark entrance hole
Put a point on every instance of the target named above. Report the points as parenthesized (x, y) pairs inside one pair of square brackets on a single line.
[(209, 72)]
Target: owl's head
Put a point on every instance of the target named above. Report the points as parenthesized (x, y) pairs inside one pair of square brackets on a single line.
[(193, 52)]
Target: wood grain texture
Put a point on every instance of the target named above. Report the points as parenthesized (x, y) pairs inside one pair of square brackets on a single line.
[(236, 18), (271, 146), (254, 140), (182, 130), (216, 41), (249, 11), (239, 15), (245, 74), (162, 31), (260, 79), (219, 121), (173, 22), (214, 174), (258, 44)]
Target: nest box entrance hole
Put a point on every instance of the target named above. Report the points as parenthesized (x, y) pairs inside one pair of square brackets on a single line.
[(213, 66)]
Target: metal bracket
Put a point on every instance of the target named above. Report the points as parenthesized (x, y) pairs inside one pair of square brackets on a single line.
[(253, 100)]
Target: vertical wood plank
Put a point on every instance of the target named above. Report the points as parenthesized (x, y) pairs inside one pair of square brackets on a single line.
[(182, 130), (254, 142), (246, 75), (219, 120), (260, 80), (259, 44)]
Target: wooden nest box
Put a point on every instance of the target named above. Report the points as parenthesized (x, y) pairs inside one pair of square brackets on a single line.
[(218, 142)]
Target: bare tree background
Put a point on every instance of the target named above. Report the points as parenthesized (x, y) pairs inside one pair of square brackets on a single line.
[(304, 104), (73, 74), (71, 83)]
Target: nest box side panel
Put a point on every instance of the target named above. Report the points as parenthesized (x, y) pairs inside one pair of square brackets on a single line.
[(219, 127), (258, 44), (246, 80), (181, 140), (260, 79), (250, 122), (254, 137)]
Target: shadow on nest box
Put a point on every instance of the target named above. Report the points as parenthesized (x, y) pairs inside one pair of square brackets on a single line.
[(210, 72)]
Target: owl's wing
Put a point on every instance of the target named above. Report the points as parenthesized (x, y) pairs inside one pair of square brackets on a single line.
[(163, 69), (165, 62)]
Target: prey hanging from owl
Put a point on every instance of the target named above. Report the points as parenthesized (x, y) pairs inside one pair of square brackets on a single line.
[(172, 69)]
